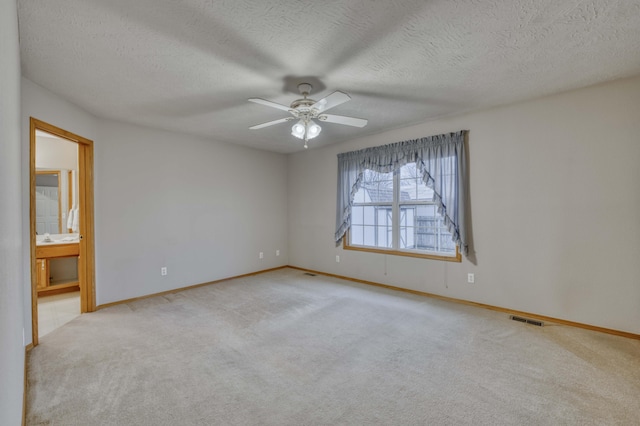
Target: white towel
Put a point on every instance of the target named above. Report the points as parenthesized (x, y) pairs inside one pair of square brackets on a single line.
[(76, 220), (70, 219)]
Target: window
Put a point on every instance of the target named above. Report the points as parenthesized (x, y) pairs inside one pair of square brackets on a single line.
[(394, 213), (383, 205)]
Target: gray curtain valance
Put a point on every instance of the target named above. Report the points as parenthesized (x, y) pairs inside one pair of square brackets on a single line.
[(439, 159)]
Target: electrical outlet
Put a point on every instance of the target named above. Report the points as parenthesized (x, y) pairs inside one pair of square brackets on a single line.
[(337, 259), (277, 252), (163, 271), (261, 255), (471, 278)]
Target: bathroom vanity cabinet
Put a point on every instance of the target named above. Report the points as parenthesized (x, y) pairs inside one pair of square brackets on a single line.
[(45, 254)]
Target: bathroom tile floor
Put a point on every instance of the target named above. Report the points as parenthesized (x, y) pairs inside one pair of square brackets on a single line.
[(55, 311)]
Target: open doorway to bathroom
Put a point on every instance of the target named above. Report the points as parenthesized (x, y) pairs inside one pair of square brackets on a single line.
[(57, 236), (61, 215)]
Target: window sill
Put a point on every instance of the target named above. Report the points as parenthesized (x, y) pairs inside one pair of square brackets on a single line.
[(456, 258)]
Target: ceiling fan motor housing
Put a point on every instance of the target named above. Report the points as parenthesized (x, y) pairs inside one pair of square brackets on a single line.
[(300, 104)]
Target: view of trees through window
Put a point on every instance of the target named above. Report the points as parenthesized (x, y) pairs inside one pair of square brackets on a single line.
[(419, 226)]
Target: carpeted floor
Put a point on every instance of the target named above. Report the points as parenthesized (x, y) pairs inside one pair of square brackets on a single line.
[(283, 348)]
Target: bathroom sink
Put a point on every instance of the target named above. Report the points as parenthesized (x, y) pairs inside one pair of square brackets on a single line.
[(62, 241)]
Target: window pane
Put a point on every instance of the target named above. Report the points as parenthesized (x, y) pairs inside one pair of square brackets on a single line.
[(368, 177), (409, 171), (408, 182), (356, 234), (426, 238), (424, 229), (383, 193), (369, 215), (377, 233), (357, 215), (375, 236), (375, 187), (371, 177), (408, 190), (382, 177), (360, 196), (370, 236), (407, 237), (384, 216), (385, 227), (407, 215), (411, 185), (384, 236), (427, 210), (424, 192)]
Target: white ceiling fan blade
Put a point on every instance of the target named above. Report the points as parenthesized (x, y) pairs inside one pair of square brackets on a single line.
[(269, 104), (334, 99), (342, 119), (271, 123)]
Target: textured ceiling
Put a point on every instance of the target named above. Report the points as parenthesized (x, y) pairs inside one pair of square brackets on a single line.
[(189, 66)]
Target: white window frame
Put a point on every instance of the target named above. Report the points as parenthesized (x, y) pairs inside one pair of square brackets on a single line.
[(395, 224)]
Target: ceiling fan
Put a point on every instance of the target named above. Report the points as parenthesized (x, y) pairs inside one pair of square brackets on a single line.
[(306, 110)]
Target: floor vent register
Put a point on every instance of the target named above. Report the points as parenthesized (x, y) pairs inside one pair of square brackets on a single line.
[(527, 320)]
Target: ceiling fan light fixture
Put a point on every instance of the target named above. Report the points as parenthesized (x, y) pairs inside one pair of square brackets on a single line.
[(313, 130), (298, 129)]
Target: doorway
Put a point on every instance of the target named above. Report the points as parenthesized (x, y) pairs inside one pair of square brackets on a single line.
[(61, 201)]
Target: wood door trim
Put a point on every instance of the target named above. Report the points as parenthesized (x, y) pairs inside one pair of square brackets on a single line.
[(86, 260)]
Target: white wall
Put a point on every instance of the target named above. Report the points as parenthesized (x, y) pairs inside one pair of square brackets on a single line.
[(555, 209), (11, 303), (202, 209)]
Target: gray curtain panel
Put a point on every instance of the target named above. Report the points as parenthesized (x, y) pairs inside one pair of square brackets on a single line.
[(439, 159)]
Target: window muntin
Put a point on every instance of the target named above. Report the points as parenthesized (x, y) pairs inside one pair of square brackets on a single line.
[(418, 230)]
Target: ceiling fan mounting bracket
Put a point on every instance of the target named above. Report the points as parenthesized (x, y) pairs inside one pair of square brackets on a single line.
[(305, 89)]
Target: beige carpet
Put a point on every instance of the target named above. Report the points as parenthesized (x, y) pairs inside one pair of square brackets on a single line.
[(283, 348)]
